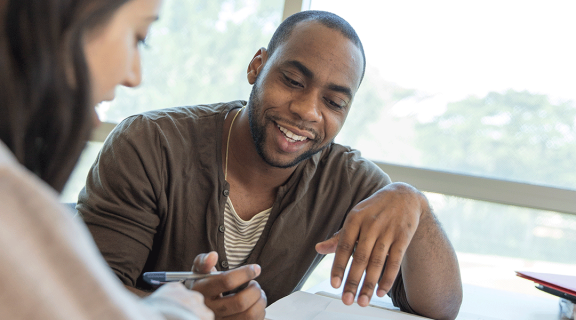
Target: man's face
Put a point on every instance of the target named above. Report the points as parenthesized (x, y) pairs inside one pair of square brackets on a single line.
[(303, 93)]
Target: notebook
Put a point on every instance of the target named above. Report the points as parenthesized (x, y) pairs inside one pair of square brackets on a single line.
[(323, 306), (562, 283)]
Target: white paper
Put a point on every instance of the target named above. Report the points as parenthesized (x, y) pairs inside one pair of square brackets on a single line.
[(307, 306), (298, 305), (328, 315)]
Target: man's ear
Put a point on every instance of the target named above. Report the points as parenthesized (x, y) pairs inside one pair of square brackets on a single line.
[(257, 64)]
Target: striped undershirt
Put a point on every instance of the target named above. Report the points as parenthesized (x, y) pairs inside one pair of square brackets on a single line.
[(241, 236)]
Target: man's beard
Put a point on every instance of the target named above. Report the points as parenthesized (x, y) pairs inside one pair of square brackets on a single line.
[(259, 135)]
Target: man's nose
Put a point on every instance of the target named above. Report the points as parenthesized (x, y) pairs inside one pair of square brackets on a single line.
[(307, 107)]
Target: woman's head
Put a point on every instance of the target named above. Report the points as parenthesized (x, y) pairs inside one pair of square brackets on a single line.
[(58, 59), (112, 49)]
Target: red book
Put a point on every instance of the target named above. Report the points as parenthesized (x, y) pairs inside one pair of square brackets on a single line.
[(563, 283)]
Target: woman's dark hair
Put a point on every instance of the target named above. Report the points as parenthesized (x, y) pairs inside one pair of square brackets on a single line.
[(45, 93)]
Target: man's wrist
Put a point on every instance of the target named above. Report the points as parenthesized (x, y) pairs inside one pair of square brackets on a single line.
[(423, 206)]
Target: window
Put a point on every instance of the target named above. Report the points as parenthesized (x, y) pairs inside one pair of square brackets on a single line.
[(484, 88), (480, 88), (198, 52)]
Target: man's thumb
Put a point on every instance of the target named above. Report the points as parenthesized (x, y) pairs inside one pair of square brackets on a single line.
[(328, 246)]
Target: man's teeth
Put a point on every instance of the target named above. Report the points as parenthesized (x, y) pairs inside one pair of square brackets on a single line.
[(292, 137)]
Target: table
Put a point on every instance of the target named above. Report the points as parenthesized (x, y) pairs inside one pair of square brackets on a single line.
[(486, 304)]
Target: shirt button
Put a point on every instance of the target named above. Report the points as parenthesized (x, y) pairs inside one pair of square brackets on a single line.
[(225, 193), (224, 264), (221, 228)]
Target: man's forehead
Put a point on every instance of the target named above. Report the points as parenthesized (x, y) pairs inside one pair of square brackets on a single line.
[(320, 47)]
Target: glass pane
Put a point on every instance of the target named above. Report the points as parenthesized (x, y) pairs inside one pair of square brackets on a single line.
[(494, 229), (198, 52), (483, 88), (492, 241)]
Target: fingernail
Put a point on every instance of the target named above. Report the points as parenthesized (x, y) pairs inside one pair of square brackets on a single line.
[(256, 268), (204, 259), (336, 282), (363, 301), (380, 293), (348, 298)]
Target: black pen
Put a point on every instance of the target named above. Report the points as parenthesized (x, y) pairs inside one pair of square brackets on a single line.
[(161, 277), (558, 293)]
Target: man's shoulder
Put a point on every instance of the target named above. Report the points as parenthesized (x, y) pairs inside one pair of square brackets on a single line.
[(180, 121), (189, 113), (337, 154), (340, 159)]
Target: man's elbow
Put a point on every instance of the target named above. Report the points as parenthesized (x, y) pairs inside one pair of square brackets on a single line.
[(450, 311), (446, 309)]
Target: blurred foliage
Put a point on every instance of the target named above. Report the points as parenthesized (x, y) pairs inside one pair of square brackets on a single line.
[(198, 52), (512, 135), (493, 229), (374, 99)]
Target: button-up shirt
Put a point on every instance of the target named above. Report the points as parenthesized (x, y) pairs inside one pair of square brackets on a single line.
[(155, 199)]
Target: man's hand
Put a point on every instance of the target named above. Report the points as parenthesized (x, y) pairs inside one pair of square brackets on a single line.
[(174, 301), (247, 303), (377, 230)]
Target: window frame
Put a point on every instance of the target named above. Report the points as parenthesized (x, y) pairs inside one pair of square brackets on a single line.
[(499, 191)]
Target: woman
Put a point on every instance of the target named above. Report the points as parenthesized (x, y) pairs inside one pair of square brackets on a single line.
[(58, 58)]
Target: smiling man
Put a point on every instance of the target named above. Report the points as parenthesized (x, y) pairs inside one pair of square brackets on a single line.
[(263, 185)]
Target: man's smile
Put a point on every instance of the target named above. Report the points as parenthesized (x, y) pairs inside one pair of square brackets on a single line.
[(291, 139), (290, 136)]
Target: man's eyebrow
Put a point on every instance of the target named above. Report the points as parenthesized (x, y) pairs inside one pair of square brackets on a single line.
[(342, 89), (302, 68)]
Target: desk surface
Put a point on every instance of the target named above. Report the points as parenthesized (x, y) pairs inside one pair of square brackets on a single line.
[(488, 304)]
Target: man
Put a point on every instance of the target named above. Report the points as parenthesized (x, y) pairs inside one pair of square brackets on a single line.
[(264, 186)]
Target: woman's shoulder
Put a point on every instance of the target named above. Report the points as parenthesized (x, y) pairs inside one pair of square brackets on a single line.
[(41, 241), (20, 188)]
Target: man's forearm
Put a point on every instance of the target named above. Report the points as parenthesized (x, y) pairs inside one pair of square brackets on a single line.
[(139, 292), (430, 270)]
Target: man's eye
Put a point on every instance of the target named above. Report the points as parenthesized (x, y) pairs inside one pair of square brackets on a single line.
[(333, 104), (292, 82)]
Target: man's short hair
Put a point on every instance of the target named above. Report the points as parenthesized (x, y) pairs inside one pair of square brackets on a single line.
[(327, 19)]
